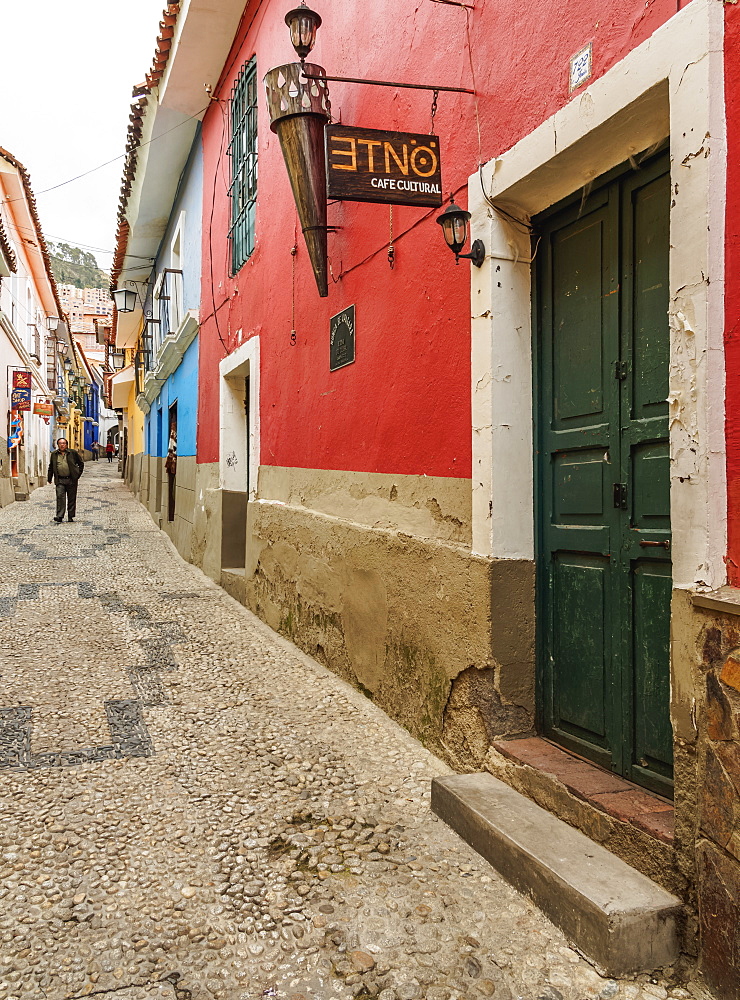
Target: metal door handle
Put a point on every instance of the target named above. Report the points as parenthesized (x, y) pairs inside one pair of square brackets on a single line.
[(666, 544)]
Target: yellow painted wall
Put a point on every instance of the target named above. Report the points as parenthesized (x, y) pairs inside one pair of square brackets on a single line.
[(135, 423)]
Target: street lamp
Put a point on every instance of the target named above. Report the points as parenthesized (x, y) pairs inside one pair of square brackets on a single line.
[(454, 222), (118, 360), (125, 299), (52, 322), (62, 347), (303, 23)]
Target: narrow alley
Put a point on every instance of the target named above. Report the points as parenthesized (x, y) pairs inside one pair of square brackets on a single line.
[(192, 808)]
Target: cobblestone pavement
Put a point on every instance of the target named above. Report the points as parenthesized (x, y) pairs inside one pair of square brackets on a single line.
[(191, 808)]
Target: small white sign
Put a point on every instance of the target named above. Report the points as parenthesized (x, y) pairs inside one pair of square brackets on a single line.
[(580, 68)]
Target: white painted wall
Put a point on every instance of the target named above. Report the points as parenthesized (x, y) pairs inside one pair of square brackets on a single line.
[(233, 470)]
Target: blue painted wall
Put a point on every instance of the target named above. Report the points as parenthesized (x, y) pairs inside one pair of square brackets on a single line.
[(182, 386)]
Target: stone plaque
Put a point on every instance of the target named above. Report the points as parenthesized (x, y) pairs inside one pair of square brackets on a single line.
[(342, 339)]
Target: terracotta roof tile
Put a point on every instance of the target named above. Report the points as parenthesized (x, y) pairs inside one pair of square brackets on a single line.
[(141, 93), (6, 248), (31, 199)]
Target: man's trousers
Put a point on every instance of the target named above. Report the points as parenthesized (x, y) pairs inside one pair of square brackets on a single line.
[(66, 496)]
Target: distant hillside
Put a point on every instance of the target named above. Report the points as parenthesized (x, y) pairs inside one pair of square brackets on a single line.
[(72, 266)]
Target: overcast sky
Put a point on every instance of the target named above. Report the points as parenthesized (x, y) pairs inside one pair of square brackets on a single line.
[(68, 70)]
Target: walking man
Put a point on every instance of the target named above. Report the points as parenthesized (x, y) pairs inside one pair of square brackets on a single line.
[(65, 468), (94, 449), (109, 449)]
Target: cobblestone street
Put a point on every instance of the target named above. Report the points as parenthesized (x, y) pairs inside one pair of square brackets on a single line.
[(191, 808)]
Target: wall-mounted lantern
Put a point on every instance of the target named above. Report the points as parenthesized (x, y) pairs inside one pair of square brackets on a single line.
[(125, 299), (52, 322), (118, 360), (303, 23), (454, 222), (62, 347)]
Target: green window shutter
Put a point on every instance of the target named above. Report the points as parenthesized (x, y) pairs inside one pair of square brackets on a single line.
[(243, 153)]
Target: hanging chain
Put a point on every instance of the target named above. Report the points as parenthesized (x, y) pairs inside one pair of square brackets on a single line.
[(293, 340), (391, 248), (435, 95)]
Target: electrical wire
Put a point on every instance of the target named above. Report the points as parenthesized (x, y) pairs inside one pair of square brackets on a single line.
[(210, 224), (380, 249), (58, 240), (122, 156), (472, 80)]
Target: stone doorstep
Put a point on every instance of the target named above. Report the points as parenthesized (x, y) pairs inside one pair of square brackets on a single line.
[(616, 917), (234, 582), (599, 788)]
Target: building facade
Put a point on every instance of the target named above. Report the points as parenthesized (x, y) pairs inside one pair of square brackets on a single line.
[(511, 518), (33, 333)]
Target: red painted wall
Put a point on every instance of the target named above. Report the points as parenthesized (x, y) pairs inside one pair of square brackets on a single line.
[(732, 290), (404, 406)]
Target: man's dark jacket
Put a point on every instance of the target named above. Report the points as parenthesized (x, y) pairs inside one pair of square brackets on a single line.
[(76, 465)]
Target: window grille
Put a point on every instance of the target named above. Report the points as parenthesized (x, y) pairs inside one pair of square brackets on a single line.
[(243, 152)]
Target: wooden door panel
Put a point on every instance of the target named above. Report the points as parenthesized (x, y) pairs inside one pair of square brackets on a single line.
[(578, 486), (650, 478), (649, 206), (646, 537), (581, 646), (579, 404), (604, 574), (652, 733), (578, 353)]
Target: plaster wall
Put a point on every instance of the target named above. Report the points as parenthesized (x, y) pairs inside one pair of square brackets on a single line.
[(404, 405), (400, 616), (206, 550), (182, 388), (430, 507), (732, 296)]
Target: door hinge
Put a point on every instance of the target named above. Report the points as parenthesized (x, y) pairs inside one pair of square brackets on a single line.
[(621, 370), (620, 496)]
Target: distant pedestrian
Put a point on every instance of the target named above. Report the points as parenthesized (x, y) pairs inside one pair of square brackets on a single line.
[(94, 448), (65, 468), (109, 450)]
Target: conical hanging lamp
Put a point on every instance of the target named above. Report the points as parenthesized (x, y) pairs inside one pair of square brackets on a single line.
[(299, 111)]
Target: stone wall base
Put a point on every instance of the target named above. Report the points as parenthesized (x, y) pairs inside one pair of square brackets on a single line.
[(438, 638)]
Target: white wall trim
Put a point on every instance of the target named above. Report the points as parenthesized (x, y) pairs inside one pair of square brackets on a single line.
[(673, 83), (244, 361)]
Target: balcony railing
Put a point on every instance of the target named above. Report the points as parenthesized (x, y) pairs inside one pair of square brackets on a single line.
[(168, 297)]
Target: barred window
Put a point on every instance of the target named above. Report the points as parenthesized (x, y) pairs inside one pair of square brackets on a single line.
[(243, 152)]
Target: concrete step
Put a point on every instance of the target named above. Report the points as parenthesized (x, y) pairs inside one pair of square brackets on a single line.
[(618, 918), (234, 582)]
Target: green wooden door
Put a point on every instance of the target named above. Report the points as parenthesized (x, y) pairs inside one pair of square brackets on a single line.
[(604, 572)]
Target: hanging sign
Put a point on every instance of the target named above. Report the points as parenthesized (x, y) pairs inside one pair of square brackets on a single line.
[(15, 437), (21, 379), (395, 168), (43, 408), (342, 339), (20, 399)]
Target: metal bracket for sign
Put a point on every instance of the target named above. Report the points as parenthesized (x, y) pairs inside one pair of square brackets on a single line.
[(387, 83)]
